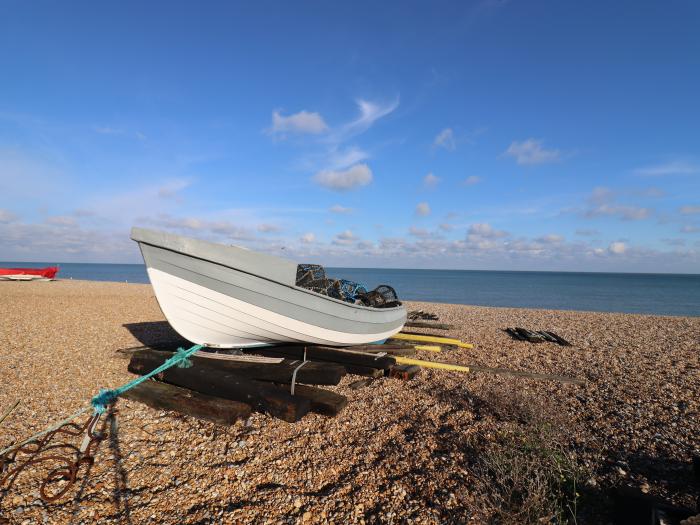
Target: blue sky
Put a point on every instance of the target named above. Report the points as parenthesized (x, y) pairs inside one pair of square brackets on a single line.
[(475, 135)]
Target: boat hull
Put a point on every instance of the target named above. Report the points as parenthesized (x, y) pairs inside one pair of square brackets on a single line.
[(216, 305)]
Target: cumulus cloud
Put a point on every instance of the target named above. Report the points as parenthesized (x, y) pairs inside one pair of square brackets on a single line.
[(304, 122), (471, 180), (308, 238), (690, 210), (446, 227), (677, 167), (531, 152), (617, 248), (430, 180), (485, 231), (445, 139), (337, 208), (344, 238), (423, 209), (6, 216), (344, 180)]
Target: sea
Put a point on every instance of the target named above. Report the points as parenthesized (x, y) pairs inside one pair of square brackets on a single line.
[(644, 293)]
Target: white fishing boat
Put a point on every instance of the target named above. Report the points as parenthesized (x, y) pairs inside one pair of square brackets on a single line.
[(229, 297)]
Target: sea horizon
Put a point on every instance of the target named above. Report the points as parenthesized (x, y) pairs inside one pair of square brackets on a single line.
[(623, 292)]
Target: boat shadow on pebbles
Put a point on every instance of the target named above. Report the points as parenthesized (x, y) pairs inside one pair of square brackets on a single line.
[(156, 333)]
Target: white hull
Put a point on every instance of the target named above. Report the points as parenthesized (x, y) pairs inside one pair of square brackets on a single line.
[(205, 316), (23, 277)]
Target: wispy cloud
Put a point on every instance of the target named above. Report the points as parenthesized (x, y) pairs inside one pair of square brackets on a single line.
[(601, 203), (419, 232), (676, 167), (370, 112), (6, 216), (430, 181), (308, 238), (445, 139), (344, 180), (531, 152), (471, 180), (689, 228), (423, 209), (337, 208), (303, 122), (689, 210), (172, 188)]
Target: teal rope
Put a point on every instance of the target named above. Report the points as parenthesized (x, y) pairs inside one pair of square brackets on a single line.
[(106, 397), (102, 400)]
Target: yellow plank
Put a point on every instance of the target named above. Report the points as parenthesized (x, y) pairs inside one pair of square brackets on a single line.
[(431, 339), (431, 364), (427, 348)]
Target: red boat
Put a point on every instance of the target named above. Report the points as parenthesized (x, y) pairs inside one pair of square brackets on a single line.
[(28, 274)]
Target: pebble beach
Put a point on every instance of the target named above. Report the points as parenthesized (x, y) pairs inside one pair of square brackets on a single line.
[(400, 452)]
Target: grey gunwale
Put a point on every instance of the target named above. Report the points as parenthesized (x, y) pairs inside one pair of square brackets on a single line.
[(182, 257)]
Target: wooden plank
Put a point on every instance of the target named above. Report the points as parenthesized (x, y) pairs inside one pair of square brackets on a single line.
[(163, 396), (429, 324), (430, 339), (263, 397), (322, 401), (397, 349), (365, 371), (360, 383), (280, 372), (342, 356)]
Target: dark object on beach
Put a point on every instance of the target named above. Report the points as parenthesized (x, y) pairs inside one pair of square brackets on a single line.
[(696, 465), (329, 354), (420, 315), (360, 383), (633, 507), (428, 324), (209, 380), (364, 371), (541, 336), (404, 372), (163, 396), (311, 373)]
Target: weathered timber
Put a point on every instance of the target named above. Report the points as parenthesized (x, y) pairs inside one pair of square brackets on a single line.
[(546, 336), (322, 401), (559, 339), (515, 335), (365, 371), (404, 372), (390, 349), (261, 396), (163, 396), (360, 383), (529, 335), (528, 375), (429, 324), (311, 373), (326, 353)]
